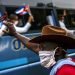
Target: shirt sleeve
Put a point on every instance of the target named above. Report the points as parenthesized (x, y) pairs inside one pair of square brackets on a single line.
[(23, 29), (1, 30)]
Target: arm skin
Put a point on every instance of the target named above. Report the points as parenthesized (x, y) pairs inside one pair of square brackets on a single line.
[(25, 41)]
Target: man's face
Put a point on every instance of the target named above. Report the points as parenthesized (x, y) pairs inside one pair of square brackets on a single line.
[(50, 53), (47, 53)]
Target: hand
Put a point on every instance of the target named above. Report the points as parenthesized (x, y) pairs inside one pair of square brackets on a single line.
[(64, 13), (11, 28), (28, 9)]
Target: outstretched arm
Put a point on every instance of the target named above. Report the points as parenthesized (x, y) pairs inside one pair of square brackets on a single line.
[(26, 26), (23, 39)]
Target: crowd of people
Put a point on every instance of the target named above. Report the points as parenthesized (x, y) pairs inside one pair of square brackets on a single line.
[(14, 19), (50, 46)]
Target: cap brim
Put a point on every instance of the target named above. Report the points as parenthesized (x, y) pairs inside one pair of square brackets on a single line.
[(63, 41)]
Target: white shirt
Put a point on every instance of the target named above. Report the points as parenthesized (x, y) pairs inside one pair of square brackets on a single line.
[(70, 33), (18, 29)]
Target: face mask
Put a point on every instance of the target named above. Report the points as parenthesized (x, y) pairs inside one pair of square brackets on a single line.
[(47, 58)]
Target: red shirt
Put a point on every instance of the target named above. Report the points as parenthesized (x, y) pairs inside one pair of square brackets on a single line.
[(64, 67), (66, 70)]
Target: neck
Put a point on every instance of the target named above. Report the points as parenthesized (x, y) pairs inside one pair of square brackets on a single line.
[(59, 57)]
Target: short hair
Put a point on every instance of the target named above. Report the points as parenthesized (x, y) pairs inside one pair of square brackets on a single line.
[(13, 17)]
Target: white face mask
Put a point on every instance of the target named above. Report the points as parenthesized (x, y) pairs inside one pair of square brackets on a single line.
[(47, 58)]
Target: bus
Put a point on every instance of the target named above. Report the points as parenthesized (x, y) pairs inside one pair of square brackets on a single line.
[(15, 58)]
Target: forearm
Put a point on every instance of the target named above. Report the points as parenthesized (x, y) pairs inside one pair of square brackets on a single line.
[(22, 38), (25, 41)]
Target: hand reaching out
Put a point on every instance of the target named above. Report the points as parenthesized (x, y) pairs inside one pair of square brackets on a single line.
[(12, 30)]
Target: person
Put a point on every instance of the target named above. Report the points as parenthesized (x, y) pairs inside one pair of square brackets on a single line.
[(14, 21), (61, 18), (51, 47)]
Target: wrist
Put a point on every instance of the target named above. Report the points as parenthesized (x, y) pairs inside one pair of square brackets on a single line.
[(30, 14)]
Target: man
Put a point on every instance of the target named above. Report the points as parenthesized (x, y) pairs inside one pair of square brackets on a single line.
[(50, 47), (61, 18)]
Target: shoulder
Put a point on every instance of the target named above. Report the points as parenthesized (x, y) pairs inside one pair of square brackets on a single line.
[(62, 65), (66, 70)]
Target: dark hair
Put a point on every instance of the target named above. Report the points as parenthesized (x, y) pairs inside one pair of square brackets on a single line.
[(60, 16), (13, 17)]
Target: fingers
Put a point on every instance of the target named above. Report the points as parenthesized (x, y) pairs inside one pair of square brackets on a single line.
[(7, 23), (31, 18), (5, 31), (11, 28), (28, 9)]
